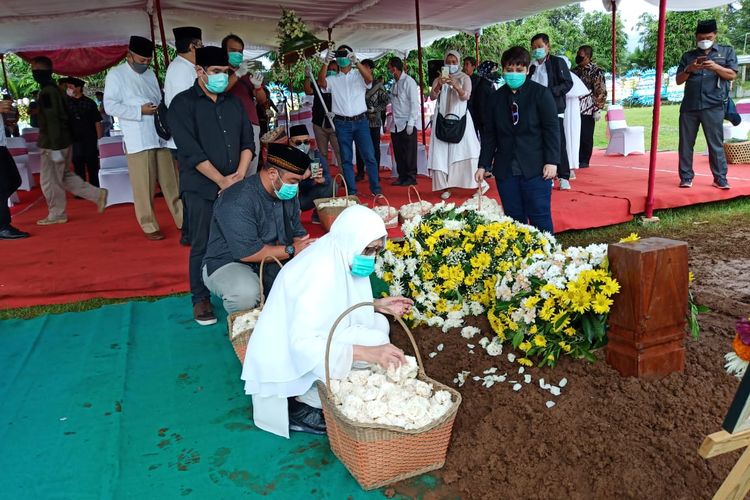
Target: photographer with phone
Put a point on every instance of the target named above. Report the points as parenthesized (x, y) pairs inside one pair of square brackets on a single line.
[(348, 90), (706, 72)]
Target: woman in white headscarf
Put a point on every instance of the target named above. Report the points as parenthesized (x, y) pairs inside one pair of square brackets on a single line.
[(285, 354), (572, 121), (453, 165)]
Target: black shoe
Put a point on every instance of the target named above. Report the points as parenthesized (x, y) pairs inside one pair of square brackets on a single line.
[(203, 313), (11, 233), (582, 165), (305, 418), (359, 178), (398, 183)]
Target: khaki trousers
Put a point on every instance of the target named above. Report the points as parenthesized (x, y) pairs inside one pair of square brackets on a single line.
[(324, 136), (56, 178), (146, 169)]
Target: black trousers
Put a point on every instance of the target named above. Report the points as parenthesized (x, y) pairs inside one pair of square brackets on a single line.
[(10, 180), (405, 153), (375, 136), (185, 227), (563, 170), (587, 140), (86, 160), (311, 192), (199, 211)]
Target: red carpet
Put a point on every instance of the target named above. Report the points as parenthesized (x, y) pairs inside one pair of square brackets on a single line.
[(106, 255)]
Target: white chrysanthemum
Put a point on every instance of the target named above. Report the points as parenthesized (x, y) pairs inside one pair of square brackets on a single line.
[(416, 408), (376, 380), (370, 394), (495, 348), (484, 342), (358, 377), (735, 365), (375, 409), (442, 397), (422, 389), (468, 332)]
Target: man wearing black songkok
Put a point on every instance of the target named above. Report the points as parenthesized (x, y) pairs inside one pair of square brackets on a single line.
[(707, 72), (256, 219), (215, 147), (86, 123)]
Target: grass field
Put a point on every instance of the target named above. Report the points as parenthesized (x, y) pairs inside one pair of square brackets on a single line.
[(668, 128)]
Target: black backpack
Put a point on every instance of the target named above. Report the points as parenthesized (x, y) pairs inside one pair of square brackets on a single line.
[(161, 121)]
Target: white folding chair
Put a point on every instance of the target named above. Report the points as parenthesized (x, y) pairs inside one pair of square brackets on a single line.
[(623, 140), (17, 148), (114, 176)]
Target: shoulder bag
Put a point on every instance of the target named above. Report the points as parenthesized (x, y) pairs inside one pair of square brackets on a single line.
[(449, 128)]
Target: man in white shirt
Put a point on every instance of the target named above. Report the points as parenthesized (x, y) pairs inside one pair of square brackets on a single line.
[(132, 94), (405, 106), (348, 90), (181, 73)]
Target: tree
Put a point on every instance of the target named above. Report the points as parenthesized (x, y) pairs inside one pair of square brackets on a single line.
[(737, 21), (597, 28)]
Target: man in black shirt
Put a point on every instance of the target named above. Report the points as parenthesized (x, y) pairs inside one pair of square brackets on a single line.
[(322, 127), (256, 219), (86, 123), (215, 147)]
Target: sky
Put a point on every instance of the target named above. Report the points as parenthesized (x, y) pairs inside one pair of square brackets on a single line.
[(630, 10)]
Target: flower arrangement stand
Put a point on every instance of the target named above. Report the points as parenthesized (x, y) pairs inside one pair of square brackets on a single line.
[(737, 483), (648, 317)]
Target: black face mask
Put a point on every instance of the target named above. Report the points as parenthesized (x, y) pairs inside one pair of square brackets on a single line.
[(41, 75), (579, 59)]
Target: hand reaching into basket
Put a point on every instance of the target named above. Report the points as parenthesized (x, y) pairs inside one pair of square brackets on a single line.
[(396, 306), (383, 355)]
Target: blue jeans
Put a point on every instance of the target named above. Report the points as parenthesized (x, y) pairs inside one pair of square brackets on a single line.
[(359, 133), (527, 201)]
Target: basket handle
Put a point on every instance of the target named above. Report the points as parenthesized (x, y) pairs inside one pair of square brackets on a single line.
[(341, 318), (377, 197), (260, 276), (333, 186), (408, 193)]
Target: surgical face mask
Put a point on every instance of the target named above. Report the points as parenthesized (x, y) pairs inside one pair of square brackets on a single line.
[(331, 73), (138, 67), (235, 59), (452, 68), (70, 92), (705, 44), (41, 75), (539, 53), (363, 265), (305, 148), (514, 80), (343, 62), (579, 59), (286, 191), (217, 83)]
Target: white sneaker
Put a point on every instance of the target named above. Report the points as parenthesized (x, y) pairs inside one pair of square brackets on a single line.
[(564, 185), (445, 195), (572, 174)]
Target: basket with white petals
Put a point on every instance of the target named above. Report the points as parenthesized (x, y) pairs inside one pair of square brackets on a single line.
[(386, 212), (413, 208), (330, 208), (387, 425), (242, 323)]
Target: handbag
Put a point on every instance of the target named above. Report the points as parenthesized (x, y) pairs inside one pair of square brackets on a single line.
[(730, 112), (161, 123), (449, 128)]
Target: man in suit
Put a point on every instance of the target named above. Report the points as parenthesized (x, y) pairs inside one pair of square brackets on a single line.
[(552, 72), (521, 143)]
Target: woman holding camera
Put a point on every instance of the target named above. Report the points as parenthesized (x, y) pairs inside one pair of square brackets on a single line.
[(454, 148)]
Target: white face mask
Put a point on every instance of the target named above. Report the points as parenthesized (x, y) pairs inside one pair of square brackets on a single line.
[(305, 148), (452, 68), (70, 92), (705, 44)]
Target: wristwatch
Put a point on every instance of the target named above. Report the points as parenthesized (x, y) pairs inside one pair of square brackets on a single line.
[(289, 249)]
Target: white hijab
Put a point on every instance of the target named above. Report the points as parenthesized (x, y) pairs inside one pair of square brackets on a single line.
[(310, 292)]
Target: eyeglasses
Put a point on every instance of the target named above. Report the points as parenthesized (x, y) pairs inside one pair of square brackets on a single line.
[(299, 143), (514, 112), (372, 250)]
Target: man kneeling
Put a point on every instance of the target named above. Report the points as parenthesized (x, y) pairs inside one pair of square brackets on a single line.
[(255, 219), (318, 184)]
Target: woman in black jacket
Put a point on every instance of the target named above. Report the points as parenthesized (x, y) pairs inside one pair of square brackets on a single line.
[(521, 143)]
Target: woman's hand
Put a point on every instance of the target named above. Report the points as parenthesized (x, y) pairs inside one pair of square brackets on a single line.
[(383, 355), (396, 306)]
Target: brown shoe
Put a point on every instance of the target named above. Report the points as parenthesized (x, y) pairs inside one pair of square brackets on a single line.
[(203, 313), (51, 220), (101, 202), (155, 236)]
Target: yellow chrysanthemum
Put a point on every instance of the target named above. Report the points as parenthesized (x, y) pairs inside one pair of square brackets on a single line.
[(601, 304), (691, 277), (540, 341), (565, 346), (525, 362), (610, 287), (525, 346), (570, 331), (630, 238), (387, 277)]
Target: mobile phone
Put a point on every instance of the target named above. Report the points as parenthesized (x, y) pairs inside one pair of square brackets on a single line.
[(315, 170), (700, 59), (445, 72)]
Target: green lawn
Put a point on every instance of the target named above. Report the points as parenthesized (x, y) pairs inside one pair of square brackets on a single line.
[(668, 128)]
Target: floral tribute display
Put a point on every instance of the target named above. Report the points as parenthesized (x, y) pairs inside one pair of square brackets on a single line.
[(295, 40), (738, 359), (456, 262)]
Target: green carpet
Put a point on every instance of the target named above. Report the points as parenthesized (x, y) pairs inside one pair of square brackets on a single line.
[(137, 401)]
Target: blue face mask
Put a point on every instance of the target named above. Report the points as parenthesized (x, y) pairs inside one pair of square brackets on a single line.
[(363, 265), (514, 80), (235, 59), (217, 83), (286, 191), (539, 53), (343, 62), (331, 73)]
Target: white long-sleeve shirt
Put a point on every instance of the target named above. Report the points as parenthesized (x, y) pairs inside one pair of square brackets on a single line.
[(180, 76), (405, 103), (125, 91)]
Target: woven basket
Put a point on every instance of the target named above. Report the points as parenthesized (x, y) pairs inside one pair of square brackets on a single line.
[(386, 212), (737, 152), (239, 342), (328, 214), (422, 207), (377, 455)]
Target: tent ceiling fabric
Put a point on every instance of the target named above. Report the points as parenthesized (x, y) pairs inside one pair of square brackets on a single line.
[(692, 4), (372, 26)]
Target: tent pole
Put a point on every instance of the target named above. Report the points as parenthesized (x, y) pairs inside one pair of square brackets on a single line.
[(156, 59), (657, 109), (5, 73), (476, 46), (421, 77), (161, 32), (614, 48)]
